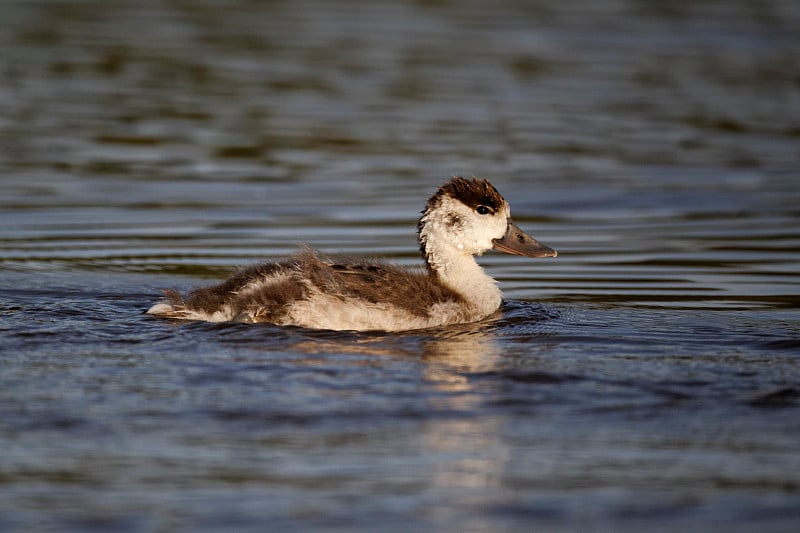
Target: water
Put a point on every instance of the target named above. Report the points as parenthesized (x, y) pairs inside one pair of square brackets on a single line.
[(646, 379)]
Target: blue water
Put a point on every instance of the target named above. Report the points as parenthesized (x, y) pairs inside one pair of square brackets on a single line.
[(647, 379)]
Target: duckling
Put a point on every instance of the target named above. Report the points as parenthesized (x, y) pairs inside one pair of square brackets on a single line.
[(464, 218)]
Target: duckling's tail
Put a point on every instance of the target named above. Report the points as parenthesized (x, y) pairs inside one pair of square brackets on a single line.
[(176, 306), (173, 307)]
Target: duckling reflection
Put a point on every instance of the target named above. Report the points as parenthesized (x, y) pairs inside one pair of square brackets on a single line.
[(467, 452), (468, 349)]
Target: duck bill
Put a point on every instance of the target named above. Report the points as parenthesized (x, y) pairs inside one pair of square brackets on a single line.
[(517, 242)]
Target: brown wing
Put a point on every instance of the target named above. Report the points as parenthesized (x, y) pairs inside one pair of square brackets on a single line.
[(379, 282)]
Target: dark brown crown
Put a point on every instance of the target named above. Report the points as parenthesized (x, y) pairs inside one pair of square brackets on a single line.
[(471, 192)]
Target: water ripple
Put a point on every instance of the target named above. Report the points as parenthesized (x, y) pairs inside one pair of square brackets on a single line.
[(646, 378)]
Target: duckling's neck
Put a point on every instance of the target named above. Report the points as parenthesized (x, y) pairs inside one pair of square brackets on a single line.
[(459, 271)]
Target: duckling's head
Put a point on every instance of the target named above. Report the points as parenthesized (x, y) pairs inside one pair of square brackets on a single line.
[(468, 217)]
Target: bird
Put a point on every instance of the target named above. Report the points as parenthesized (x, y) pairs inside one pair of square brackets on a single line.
[(462, 219)]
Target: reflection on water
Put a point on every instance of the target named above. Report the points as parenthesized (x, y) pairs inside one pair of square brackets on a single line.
[(646, 378), (470, 453)]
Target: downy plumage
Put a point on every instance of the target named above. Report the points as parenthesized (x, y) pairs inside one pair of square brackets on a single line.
[(464, 218)]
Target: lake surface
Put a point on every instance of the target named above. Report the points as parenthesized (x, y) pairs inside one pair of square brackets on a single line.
[(647, 379)]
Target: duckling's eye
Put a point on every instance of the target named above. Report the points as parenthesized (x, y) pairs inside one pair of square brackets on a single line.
[(483, 210)]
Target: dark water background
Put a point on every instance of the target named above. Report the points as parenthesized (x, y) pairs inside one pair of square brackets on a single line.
[(648, 379)]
